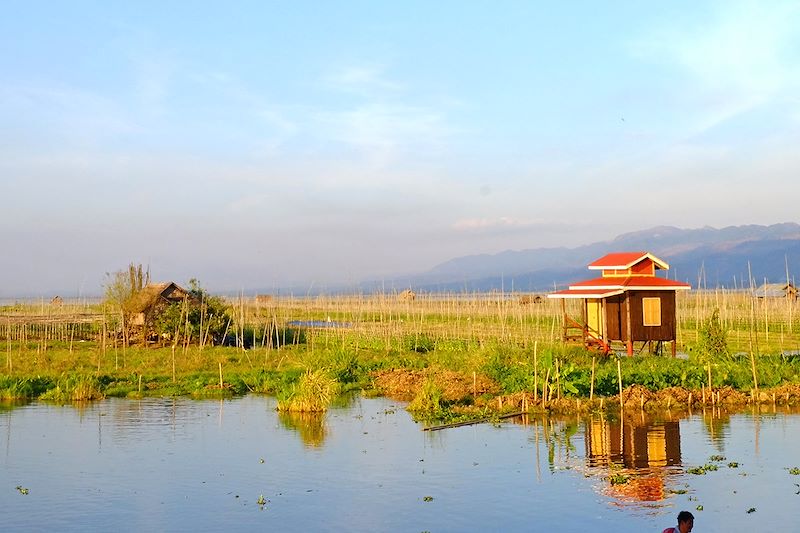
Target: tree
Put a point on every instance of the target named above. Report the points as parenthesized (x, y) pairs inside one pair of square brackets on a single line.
[(121, 289)]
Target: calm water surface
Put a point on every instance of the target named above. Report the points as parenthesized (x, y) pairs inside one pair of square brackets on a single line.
[(186, 465)]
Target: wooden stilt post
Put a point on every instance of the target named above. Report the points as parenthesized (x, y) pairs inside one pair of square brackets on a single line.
[(584, 320), (628, 323)]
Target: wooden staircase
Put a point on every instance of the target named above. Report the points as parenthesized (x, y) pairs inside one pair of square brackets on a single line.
[(577, 331)]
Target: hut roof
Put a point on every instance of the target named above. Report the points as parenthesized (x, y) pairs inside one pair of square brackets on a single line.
[(774, 290), (606, 287), (151, 294), (611, 285), (624, 260)]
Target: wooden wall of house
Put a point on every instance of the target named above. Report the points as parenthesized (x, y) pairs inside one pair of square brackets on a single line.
[(615, 318), (664, 332), (616, 310)]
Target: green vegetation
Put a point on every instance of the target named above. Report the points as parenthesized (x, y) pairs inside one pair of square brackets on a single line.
[(618, 479), (428, 401), (312, 393), (489, 353)]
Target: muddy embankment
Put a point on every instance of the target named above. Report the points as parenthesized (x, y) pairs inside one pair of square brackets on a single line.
[(467, 392)]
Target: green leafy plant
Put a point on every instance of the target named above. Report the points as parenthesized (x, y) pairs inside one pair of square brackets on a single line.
[(712, 345)]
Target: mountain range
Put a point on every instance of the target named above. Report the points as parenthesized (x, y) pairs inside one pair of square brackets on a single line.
[(705, 257)]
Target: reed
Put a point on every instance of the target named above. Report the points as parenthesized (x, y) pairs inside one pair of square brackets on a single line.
[(312, 393), (428, 401)]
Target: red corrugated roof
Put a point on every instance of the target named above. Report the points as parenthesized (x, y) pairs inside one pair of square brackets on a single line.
[(623, 260), (630, 282), (585, 293)]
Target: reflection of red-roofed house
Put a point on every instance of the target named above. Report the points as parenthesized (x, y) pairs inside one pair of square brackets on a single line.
[(628, 303), (643, 451)]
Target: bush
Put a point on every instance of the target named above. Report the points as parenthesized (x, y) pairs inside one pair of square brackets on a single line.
[(713, 343)]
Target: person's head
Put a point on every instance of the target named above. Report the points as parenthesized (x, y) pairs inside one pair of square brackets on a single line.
[(685, 521)]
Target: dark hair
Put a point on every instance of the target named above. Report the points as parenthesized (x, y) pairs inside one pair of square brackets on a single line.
[(685, 516)]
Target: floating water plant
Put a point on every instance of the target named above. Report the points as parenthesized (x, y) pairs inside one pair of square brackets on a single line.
[(794, 471), (733, 464), (261, 500), (22, 490), (717, 458), (618, 479)]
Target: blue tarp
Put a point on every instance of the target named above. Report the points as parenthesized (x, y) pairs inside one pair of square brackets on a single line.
[(319, 324)]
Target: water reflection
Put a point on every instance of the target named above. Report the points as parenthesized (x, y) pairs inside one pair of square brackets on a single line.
[(636, 442), (309, 426), (178, 464), (633, 453)]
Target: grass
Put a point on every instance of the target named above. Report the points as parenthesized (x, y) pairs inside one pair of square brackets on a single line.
[(312, 393), (60, 353)]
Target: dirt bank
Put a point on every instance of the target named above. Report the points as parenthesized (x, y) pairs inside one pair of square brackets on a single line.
[(483, 393)]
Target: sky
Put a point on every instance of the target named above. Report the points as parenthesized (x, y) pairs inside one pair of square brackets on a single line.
[(258, 145)]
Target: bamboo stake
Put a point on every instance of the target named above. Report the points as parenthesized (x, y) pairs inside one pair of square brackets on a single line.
[(535, 371), (545, 386), (710, 387), (591, 385), (619, 378)]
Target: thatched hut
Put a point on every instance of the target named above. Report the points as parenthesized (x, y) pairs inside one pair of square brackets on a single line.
[(152, 299), (407, 296), (526, 299), (776, 290)]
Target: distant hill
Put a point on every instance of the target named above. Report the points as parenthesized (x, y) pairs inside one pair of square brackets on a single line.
[(707, 256)]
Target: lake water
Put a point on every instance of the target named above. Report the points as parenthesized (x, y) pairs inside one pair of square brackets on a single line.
[(187, 465)]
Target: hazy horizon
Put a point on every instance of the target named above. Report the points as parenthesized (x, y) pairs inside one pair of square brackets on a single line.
[(256, 145)]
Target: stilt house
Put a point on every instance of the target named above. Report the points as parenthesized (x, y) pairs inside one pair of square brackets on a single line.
[(627, 304)]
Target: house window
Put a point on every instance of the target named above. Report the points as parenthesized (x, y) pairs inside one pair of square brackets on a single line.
[(651, 309)]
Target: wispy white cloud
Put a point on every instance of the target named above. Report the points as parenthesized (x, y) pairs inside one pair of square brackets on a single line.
[(471, 224), (384, 126), (739, 58), (363, 80), (387, 119)]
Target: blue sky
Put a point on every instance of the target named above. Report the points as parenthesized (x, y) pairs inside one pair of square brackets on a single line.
[(266, 144)]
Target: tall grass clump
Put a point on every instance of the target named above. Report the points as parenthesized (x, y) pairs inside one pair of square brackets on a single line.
[(75, 388), (428, 401), (312, 393), (12, 388)]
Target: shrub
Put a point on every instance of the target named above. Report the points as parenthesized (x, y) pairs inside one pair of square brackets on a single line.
[(713, 343)]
